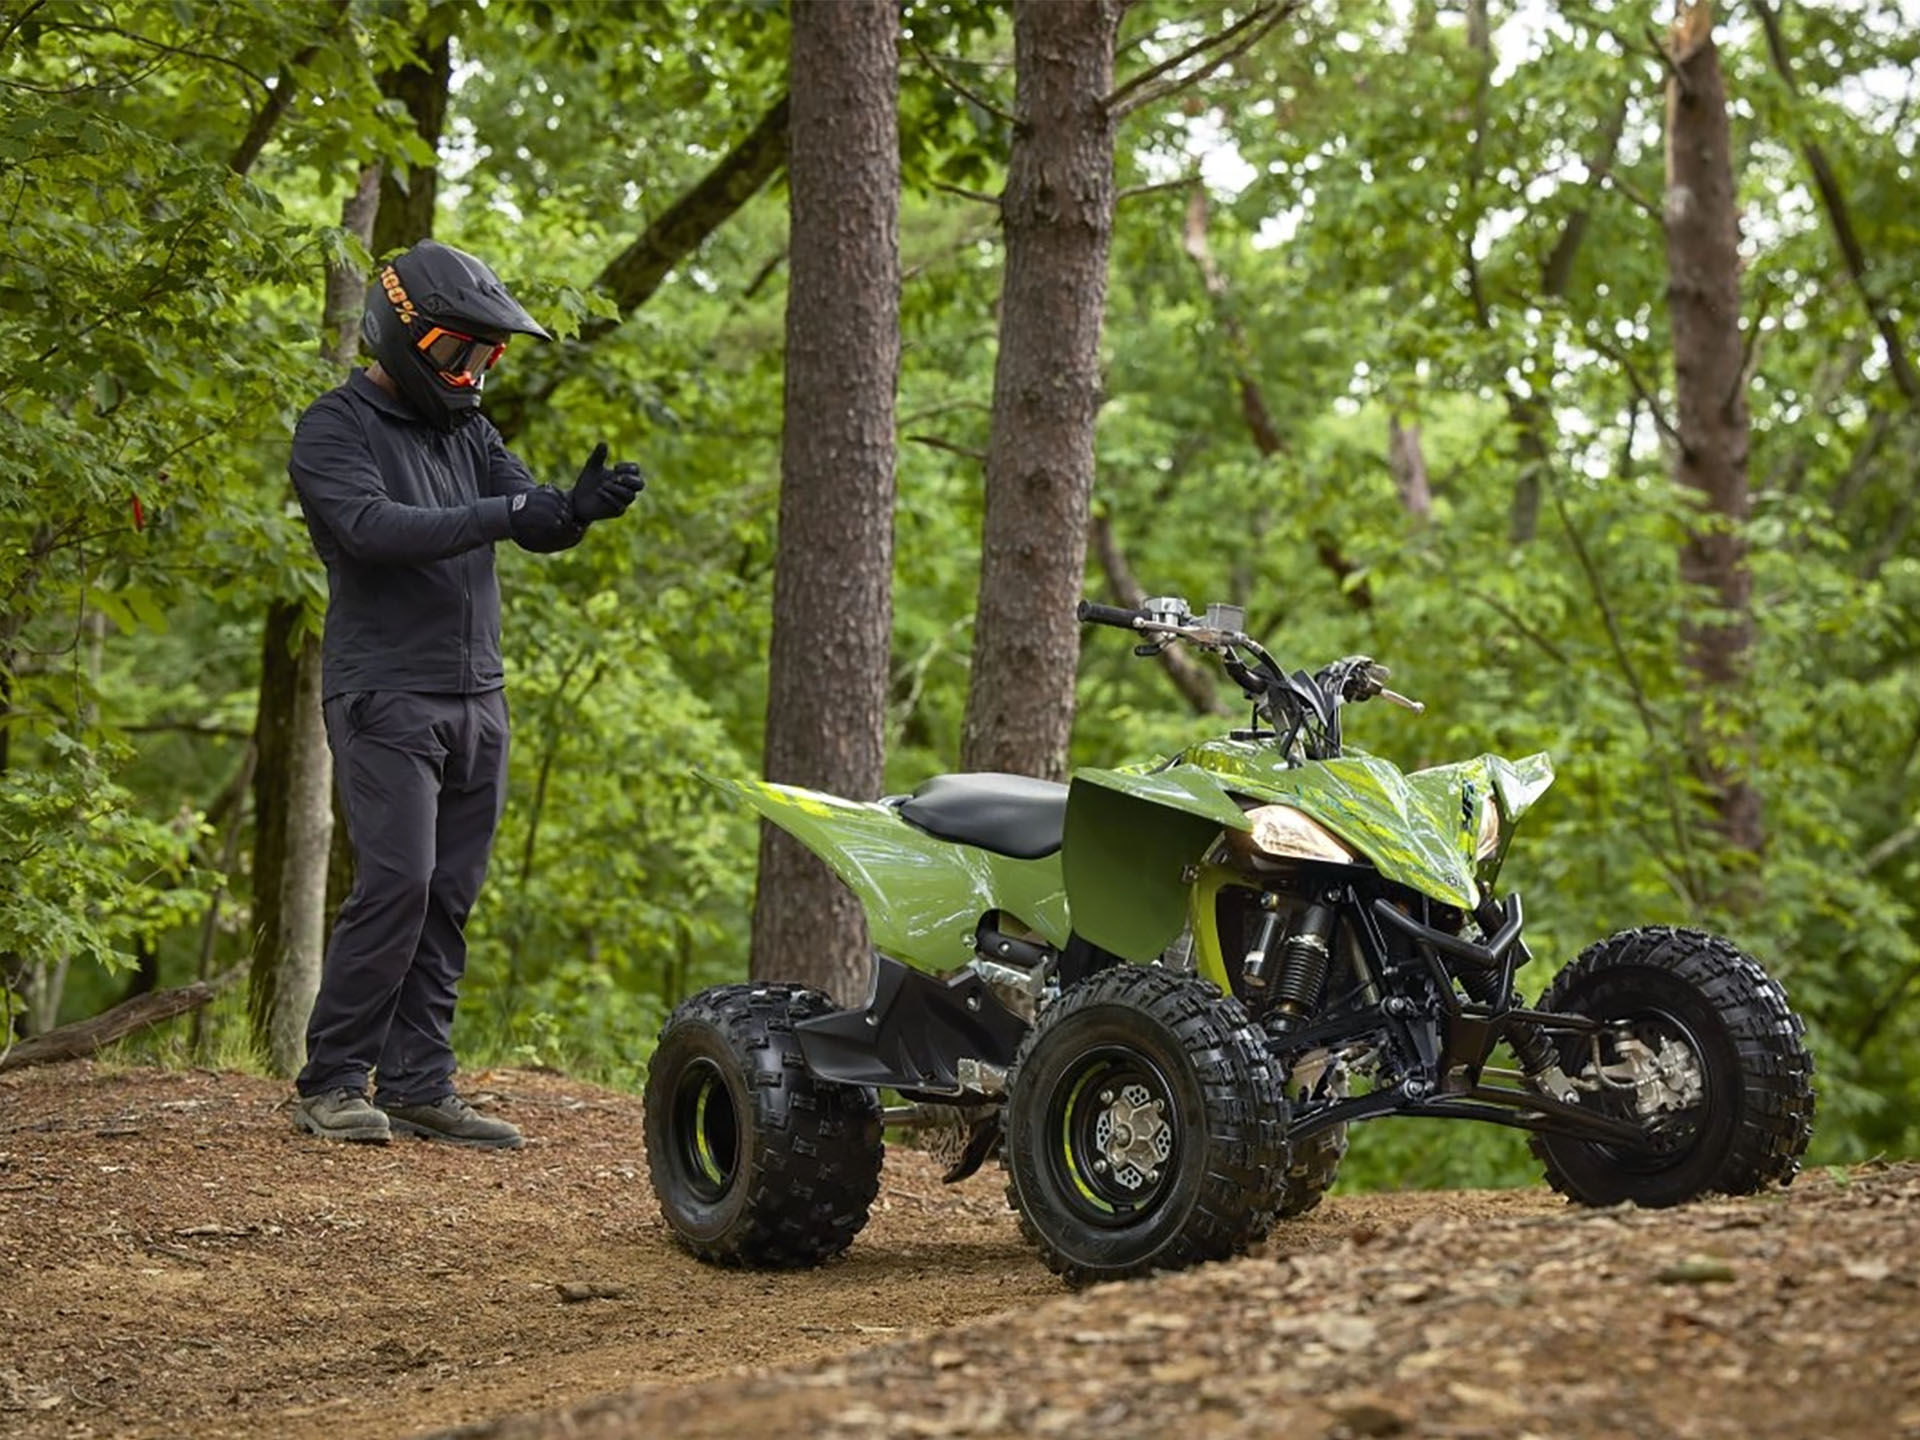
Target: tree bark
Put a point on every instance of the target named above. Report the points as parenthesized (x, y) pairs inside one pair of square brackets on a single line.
[(1408, 461), (1057, 212), (293, 784), (405, 213), (833, 580), (1703, 301), (303, 884), (273, 740)]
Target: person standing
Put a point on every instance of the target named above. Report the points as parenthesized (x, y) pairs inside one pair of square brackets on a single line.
[(406, 488)]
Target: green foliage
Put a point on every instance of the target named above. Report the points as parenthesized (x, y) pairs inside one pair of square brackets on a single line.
[(82, 872), (1383, 202)]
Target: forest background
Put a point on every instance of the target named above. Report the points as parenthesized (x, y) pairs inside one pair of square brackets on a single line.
[(1386, 356)]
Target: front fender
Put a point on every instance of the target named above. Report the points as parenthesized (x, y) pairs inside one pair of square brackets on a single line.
[(1130, 841)]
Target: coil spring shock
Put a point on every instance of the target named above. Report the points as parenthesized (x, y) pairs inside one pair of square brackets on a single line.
[(1533, 1045), (1303, 967)]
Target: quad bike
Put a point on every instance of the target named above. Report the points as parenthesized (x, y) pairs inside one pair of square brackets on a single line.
[(1163, 992)]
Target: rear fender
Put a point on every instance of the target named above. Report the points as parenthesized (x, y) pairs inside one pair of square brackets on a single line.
[(1131, 841), (923, 896)]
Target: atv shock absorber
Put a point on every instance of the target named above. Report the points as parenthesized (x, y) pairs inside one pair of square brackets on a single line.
[(1536, 1050), (1253, 969), (1303, 967)]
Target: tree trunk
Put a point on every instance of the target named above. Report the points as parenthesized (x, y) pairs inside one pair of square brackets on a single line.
[(833, 579), (405, 213), (293, 784), (303, 883), (1408, 461), (1703, 301), (273, 741), (1057, 213)]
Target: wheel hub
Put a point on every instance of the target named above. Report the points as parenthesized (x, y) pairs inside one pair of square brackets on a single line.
[(1132, 1135), (1662, 1077)]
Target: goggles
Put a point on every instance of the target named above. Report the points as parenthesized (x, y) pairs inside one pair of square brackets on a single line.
[(461, 360)]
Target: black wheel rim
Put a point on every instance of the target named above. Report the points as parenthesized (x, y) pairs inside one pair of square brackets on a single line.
[(1671, 1134), (706, 1130), (1113, 1139)]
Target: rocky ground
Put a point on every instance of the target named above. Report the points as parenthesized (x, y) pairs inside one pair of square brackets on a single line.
[(174, 1260)]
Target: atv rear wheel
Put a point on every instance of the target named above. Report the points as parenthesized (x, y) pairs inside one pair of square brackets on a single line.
[(1727, 1077), (754, 1161), (1145, 1127)]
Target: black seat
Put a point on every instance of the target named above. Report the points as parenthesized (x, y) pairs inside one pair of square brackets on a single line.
[(1008, 814)]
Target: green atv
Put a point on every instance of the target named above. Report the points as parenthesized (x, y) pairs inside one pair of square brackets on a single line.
[(1163, 992)]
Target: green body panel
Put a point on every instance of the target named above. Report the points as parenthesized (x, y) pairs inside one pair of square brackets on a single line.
[(1131, 876), (1514, 784), (1203, 915), (1415, 828), (1130, 838), (923, 895)]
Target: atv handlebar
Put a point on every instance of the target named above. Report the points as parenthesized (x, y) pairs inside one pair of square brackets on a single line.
[(1092, 614), (1291, 701)]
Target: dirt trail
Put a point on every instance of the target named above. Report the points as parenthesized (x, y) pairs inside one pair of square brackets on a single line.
[(177, 1261)]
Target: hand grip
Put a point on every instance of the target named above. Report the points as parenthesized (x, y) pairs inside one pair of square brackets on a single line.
[(1418, 707), (1092, 614)]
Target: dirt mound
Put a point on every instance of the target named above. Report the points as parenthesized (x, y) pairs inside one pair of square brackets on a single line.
[(179, 1262)]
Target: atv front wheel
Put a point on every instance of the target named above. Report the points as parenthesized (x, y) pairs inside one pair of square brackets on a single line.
[(754, 1161), (1145, 1127), (1703, 1047)]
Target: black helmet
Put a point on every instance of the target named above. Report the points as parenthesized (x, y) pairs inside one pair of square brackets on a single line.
[(436, 321)]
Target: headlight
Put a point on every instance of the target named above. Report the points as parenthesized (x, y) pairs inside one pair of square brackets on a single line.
[(1282, 832), (1487, 845)]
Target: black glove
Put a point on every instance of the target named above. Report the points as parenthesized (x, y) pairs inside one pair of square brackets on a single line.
[(542, 520), (601, 493)]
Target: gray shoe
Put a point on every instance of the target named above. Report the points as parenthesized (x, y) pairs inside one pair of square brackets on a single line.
[(341, 1115), (454, 1120)]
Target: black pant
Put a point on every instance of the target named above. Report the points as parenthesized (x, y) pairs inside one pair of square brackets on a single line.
[(422, 779)]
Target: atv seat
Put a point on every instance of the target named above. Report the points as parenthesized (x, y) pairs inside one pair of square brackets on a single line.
[(1008, 814)]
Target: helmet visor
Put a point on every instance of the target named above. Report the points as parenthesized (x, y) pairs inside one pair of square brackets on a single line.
[(461, 359)]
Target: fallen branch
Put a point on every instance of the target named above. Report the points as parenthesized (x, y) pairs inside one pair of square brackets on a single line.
[(84, 1037)]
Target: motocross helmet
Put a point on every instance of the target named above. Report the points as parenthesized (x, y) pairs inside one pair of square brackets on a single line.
[(437, 321)]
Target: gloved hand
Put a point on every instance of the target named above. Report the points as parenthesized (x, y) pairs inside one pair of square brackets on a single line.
[(542, 520), (602, 493)]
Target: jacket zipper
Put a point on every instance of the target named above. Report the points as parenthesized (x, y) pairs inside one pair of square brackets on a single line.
[(450, 498)]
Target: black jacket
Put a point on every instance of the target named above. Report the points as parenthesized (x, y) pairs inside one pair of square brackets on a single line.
[(405, 517)]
